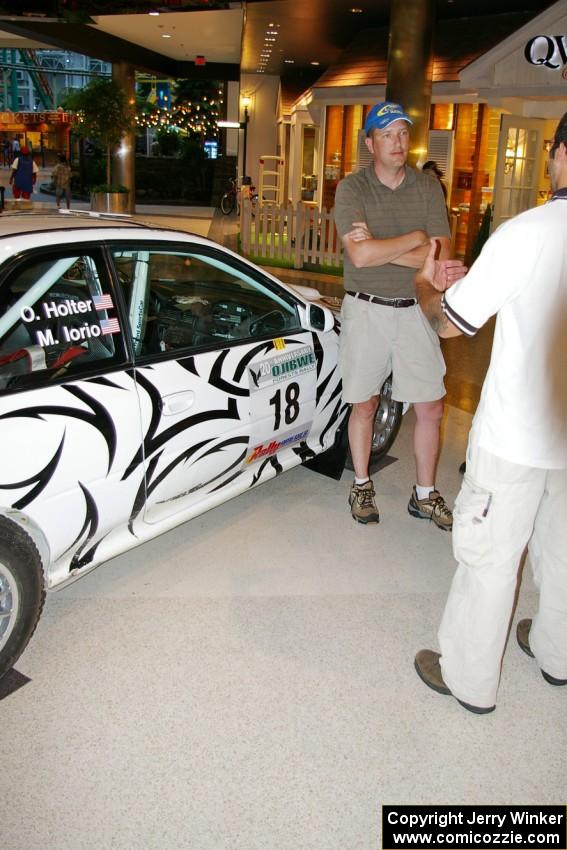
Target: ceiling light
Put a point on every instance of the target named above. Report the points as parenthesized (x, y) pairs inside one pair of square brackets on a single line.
[(289, 61), (314, 63), (165, 35), (356, 10)]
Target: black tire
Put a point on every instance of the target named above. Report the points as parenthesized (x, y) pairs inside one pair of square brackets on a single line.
[(22, 592), (227, 203), (386, 425)]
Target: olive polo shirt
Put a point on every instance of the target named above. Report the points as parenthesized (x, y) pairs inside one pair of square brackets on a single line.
[(416, 204)]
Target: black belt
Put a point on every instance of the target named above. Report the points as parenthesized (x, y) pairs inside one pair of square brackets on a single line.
[(386, 302)]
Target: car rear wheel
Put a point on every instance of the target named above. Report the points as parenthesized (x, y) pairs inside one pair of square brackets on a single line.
[(22, 591), (386, 423)]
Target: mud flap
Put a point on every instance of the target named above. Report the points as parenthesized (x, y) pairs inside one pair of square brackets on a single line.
[(332, 462)]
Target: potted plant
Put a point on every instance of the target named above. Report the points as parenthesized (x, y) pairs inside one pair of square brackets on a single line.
[(104, 115)]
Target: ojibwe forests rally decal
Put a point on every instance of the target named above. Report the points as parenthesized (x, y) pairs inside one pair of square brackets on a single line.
[(282, 400), (93, 326)]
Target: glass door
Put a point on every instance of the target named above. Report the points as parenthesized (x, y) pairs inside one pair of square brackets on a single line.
[(520, 145)]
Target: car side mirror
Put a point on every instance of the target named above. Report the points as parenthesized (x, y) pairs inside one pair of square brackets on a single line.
[(318, 318)]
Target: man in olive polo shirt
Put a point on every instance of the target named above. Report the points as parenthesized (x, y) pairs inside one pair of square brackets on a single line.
[(385, 214)]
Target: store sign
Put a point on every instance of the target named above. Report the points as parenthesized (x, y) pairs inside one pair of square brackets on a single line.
[(547, 50), (55, 117)]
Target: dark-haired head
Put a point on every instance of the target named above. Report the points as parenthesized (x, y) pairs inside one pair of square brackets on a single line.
[(559, 136), (431, 165)]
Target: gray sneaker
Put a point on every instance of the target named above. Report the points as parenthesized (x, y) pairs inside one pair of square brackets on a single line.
[(362, 505), (433, 507)]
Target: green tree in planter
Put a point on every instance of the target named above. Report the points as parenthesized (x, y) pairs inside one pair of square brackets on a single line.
[(104, 116)]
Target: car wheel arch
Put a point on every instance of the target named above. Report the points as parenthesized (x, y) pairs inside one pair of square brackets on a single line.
[(29, 525)]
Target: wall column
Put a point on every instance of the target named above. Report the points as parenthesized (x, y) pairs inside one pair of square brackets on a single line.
[(123, 161), (410, 67)]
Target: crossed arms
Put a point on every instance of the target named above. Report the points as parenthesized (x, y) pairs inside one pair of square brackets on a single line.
[(409, 249), (417, 251)]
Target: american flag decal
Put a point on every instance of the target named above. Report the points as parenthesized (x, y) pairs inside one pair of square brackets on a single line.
[(102, 302), (109, 326)]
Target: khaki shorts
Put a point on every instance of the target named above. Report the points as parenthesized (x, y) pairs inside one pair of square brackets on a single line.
[(377, 340)]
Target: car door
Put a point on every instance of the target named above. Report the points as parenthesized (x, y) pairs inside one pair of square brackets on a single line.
[(226, 374), (69, 413)]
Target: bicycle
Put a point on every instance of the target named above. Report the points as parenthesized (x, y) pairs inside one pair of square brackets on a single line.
[(231, 198)]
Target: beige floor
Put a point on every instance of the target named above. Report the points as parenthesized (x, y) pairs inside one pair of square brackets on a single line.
[(245, 682)]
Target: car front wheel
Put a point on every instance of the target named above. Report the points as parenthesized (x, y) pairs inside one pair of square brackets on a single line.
[(22, 591)]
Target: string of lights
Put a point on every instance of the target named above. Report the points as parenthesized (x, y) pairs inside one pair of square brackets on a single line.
[(199, 115)]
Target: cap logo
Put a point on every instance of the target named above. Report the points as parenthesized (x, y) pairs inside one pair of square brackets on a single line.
[(388, 108)]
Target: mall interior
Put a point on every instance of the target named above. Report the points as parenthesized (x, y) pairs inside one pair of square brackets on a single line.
[(246, 681)]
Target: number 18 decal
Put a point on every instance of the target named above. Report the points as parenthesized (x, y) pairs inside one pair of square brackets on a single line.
[(283, 389), (291, 410)]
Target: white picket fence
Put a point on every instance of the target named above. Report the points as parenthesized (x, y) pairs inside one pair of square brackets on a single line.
[(300, 235)]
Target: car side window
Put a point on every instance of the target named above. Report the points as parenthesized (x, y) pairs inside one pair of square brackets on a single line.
[(57, 318), (179, 299)]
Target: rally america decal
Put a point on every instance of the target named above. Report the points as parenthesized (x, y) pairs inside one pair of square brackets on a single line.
[(272, 447)]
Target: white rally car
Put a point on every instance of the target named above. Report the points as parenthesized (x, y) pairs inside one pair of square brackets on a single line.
[(146, 375)]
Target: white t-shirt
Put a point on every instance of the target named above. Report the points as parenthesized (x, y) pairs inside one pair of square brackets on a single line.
[(521, 274)]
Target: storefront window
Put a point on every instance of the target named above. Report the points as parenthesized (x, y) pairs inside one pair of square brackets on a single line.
[(342, 141), (442, 116), (308, 163)]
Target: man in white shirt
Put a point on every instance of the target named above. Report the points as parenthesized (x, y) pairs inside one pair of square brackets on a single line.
[(515, 489)]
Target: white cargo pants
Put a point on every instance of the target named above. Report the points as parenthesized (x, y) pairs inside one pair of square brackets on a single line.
[(501, 507)]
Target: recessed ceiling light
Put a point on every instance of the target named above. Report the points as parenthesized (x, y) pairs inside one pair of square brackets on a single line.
[(165, 35), (314, 63), (289, 61), (356, 10)]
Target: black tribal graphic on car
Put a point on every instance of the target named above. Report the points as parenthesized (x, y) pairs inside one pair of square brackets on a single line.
[(147, 469)]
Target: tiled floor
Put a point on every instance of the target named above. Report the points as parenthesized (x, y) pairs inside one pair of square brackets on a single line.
[(246, 682)]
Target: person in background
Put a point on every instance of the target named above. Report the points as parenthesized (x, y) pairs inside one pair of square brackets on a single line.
[(514, 493), (23, 174), (61, 177), (432, 170), (385, 214)]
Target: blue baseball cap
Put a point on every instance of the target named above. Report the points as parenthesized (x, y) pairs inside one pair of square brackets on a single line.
[(384, 114)]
